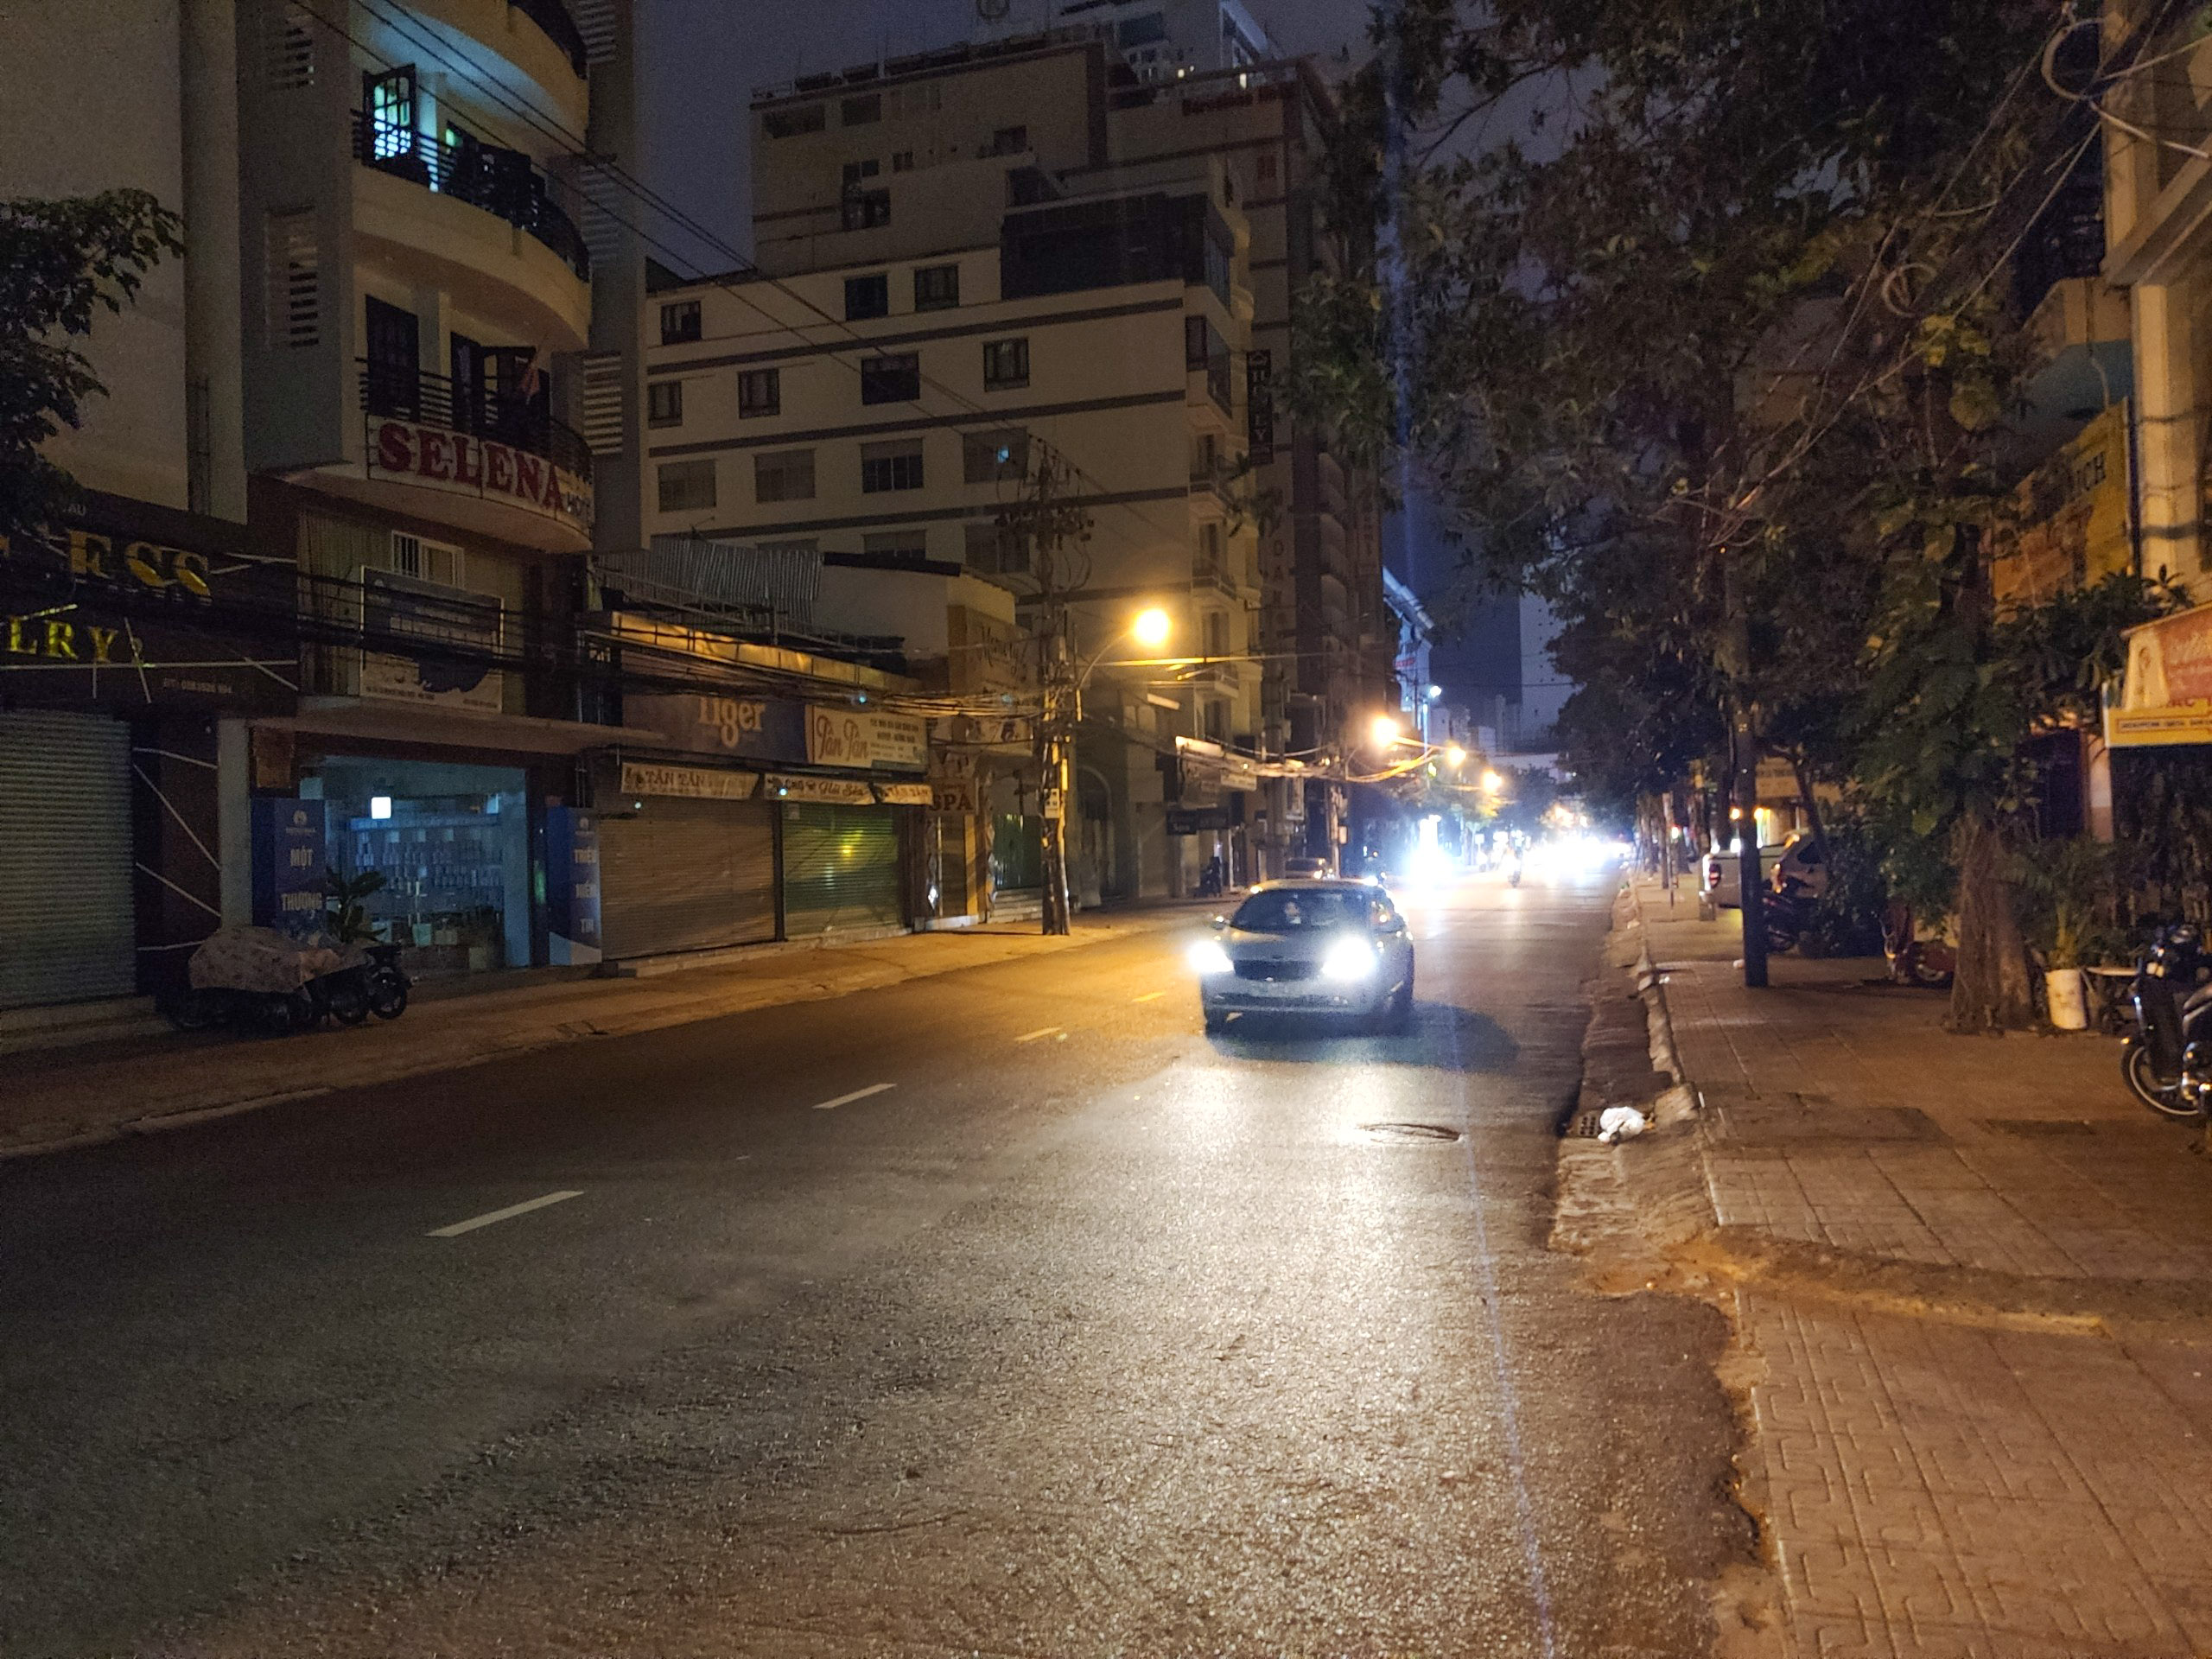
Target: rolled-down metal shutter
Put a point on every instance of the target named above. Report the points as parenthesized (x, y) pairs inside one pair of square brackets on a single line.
[(67, 928), (841, 868), (687, 875)]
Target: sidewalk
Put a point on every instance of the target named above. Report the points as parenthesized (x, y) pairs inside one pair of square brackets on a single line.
[(53, 1098), (1968, 1282)]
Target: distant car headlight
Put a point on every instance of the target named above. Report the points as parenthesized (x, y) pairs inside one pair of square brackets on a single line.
[(1349, 959), (1208, 957)]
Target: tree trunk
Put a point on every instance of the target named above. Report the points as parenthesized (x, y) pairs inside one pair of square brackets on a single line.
[(1992, 991), (1804, 774)]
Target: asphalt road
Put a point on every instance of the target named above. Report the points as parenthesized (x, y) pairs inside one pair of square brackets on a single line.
[(1082, 1334)]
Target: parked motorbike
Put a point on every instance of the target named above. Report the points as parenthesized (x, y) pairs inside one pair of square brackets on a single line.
[(2167, 1059), (256, 977), (1787, 910)]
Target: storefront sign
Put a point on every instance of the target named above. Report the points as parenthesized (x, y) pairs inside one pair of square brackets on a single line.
[(905, 794), (755, 729), (571, 886), (2077, 518), (2167, 697), (983, 652), (866, 738), (1197, 821), (400, 608), (832, 791), (289, 858), (431, 456), (688, 782)]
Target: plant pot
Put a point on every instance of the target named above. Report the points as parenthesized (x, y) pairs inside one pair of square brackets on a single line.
[(2066, 998)]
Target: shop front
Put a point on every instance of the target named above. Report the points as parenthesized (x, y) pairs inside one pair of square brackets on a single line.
[(135, 640)]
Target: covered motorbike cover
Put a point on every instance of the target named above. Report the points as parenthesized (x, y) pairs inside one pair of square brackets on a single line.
[(258, 959)]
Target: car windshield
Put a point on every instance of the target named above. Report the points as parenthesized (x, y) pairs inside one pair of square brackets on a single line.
[(1287, 911)]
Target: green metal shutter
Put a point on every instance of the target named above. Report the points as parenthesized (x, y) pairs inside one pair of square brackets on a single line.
[(67, 932), (687, 875), (841, 868)]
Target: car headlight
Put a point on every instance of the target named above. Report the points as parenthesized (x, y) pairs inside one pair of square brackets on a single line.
[(1349, 959), (1208, 957)]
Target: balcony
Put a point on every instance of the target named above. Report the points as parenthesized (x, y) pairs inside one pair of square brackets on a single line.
[(467, 455), (505, 183), (560, 28)]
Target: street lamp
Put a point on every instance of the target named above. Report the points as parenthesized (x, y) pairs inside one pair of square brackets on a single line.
[(1151, 628), (1063, 712), (1384, 732), (1492, 783), (1454, 755)]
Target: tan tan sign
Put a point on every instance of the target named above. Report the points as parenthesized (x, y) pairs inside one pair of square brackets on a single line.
[(689, 783)]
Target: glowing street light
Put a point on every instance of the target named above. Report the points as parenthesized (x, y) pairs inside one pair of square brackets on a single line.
[(1152, 627), (1384, 731), (1492, 783), (1454, 755)]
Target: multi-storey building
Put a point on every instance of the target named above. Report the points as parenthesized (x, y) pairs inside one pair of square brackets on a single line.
[(137, 637), (958, 296), (419, 321), (1159, 40)]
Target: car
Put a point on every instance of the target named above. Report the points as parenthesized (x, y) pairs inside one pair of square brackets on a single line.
[(1332, 947), (1306, 869), (1796, 860)]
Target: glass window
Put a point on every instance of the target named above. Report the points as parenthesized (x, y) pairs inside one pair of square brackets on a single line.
[(891, 465), (759, 392), (868, 296), (1217, 634), (1006, 365), (902, 160), (859, 111), (788, 123), (1009, 141), (1288, 910), (783, 476), (891, 379), (987, 457), (856, 171), (865, 210), (679, 322), (665, 403), (391, 114), (936, 287), (909, 546), (687, 486), (992, 550)]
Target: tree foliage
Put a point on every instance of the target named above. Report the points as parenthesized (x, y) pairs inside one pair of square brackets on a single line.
[(62, 262)]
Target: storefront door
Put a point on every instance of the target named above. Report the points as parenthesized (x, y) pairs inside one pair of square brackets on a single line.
[(841, 868), (686, 875), (66, 922)]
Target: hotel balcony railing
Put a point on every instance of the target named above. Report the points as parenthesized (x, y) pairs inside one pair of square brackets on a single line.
[(561, 28), (393, 391), (504, 182)]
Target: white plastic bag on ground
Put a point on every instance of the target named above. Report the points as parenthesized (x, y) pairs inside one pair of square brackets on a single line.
[(1621, 1123)]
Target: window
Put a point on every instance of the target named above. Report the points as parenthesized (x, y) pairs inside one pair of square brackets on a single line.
[(388, 102), (1209, 549), (891, 465), (789, 124), (665, 403), (859, 111), (1009, 141), (759, 392), (908, 546), (1006, 365), (867, 210), (687, 486), (1205, 457), (1267, 167), (987, 457), (1216, 633), (783, 476), (891, 379), (856, 171), (1216, 717), (295, 297), (993, 552), (868, 296), (902, 160), (1141, 31), (679, 322), (936, 287), (425, 561)]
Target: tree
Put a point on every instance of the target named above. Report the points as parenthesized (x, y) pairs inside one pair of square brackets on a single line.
[(60, 262), (1682, 343)]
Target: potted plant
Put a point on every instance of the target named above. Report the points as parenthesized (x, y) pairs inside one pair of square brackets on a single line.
[(2068, 882)]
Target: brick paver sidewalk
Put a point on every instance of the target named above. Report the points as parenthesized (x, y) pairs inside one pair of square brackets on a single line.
[(1967, 1277), (54, 1098)]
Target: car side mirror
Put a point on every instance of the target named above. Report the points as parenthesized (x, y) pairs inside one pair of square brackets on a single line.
[(1395, 924)]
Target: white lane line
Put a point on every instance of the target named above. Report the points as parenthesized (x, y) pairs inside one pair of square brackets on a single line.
[(507, 1214), (1041, 1031), (857, 1094), (1149, 996)]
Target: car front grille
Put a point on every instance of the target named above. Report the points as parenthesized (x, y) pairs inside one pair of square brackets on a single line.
[(1251, 970)]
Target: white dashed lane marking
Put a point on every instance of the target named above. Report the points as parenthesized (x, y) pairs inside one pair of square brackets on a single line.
[(507, 1214), (857, 1094)]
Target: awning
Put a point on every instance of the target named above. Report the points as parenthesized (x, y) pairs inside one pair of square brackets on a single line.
[(420, 722)]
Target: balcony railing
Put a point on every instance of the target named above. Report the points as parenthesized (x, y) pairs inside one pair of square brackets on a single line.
[(394, 391), (561, 28), (504, 182)]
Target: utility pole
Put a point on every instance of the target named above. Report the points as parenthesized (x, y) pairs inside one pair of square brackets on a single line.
[(1743, 746)]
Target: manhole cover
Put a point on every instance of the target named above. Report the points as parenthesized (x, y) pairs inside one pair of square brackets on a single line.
[(1408, 1132)]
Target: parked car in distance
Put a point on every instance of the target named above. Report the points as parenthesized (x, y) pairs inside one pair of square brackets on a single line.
[(1721, 872), (1332, 947), (1305, 869)]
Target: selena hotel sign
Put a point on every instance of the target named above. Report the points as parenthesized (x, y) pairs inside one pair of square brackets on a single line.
[(453, 461)]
